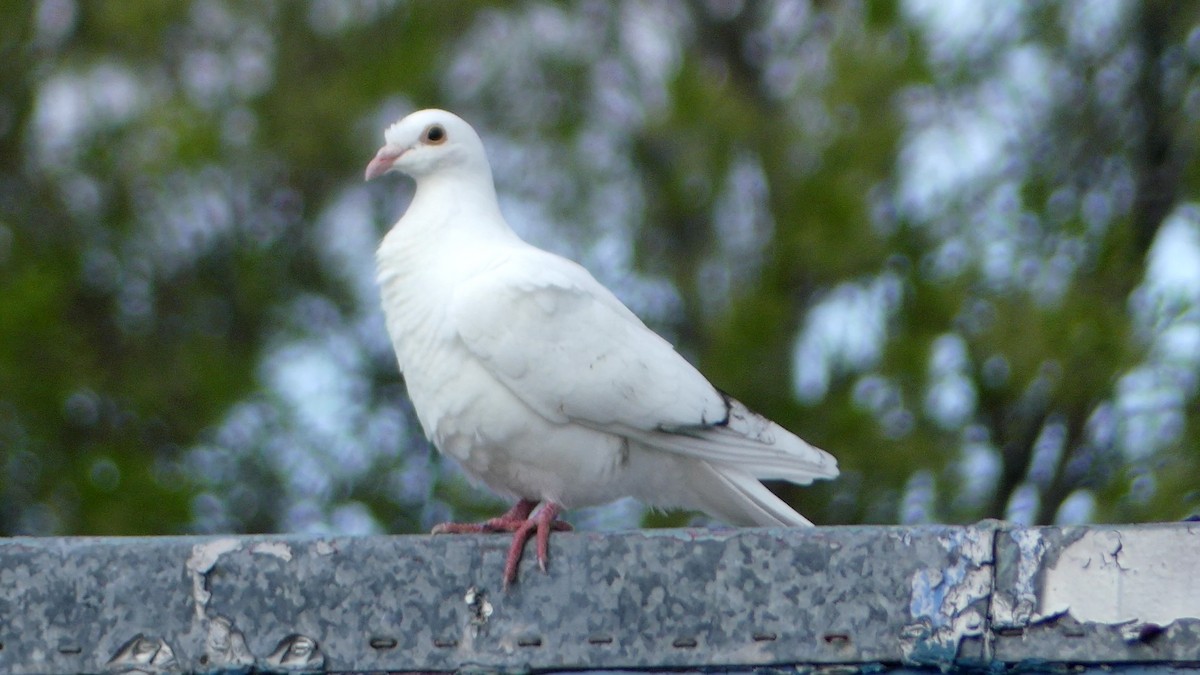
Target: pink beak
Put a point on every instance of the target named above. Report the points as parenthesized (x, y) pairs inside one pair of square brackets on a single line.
[(384, 159)]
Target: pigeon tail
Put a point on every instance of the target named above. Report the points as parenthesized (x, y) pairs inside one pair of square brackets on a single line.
[(735, 497), (744, 439)]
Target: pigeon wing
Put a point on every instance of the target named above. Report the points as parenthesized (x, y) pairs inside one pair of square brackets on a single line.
[(568, 348)]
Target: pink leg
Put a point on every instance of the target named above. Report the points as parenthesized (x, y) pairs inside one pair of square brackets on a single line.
[(517, 521), (543, 524), (546, 522)]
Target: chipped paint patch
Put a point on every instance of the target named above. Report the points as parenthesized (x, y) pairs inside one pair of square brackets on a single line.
[(948, 604), (1017, 606), (204, 557), (1110, 576), (481, 609), (224, 645), (278, 549)]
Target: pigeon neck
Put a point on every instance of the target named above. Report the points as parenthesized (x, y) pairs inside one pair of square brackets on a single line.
[(469, 196)]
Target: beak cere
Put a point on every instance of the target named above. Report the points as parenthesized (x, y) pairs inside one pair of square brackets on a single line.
[(384, 159)]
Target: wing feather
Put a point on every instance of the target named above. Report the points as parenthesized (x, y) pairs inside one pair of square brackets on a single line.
[(570, 350)]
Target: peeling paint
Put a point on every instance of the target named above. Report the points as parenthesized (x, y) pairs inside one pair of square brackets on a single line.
[(1019, 603), (948, 604), (1114, 577), (278, 549), (204, 557), (224, 645)]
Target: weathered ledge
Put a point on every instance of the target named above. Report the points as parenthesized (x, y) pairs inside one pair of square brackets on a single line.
[(986, 596)]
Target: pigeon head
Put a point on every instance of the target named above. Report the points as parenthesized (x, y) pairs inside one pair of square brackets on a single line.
[(429, 142)]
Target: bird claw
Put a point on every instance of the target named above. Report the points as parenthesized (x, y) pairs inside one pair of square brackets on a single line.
[(542, 525), (517, 520), (460, 528), (509, 522)]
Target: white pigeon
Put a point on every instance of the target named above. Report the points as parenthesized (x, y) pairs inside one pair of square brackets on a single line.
[(538, 381)]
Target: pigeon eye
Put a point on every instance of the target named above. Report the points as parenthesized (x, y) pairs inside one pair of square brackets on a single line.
[(435, 134)]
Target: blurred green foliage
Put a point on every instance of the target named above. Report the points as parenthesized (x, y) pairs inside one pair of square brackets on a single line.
[(923, 236)]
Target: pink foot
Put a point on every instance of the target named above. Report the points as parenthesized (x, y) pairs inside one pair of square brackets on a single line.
[(517, 520), (513, 519)]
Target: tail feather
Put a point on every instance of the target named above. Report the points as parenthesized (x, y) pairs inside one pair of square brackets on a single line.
[(748, 441), (722, 463), (739, 499), (799, 463)]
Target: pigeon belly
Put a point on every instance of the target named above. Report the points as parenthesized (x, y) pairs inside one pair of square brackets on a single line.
[(506, 445), (471, 416)]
